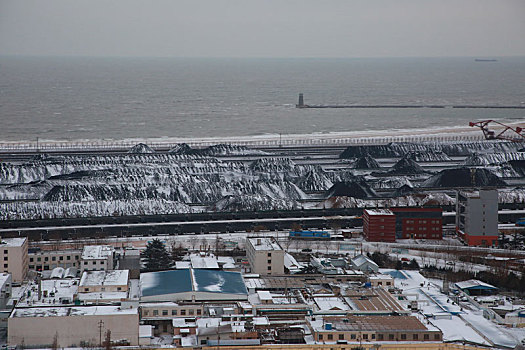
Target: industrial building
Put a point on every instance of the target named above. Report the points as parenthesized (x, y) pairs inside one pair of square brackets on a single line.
[(76, 326), (477, 217), (379, 225), (192, 285), (265, 255)]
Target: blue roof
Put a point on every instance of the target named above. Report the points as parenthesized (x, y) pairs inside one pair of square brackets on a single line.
[(165, 282), (189, 280), (218, 281)]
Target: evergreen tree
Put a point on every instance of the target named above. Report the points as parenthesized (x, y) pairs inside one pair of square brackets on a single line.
[(156, 257)]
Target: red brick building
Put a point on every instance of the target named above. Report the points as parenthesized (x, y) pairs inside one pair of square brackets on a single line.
[(379, 225), (419, 223)]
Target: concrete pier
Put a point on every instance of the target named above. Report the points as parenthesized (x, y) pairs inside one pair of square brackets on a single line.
[(301, 104)]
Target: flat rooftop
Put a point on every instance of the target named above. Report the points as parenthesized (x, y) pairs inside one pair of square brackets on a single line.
[(92, 252), (372, 299), (12, 242), (264, 243), (104, 278), (379, 212), (72, 311), (369, 323)]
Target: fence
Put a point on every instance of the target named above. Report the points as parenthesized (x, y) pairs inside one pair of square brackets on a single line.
[(289, 141)]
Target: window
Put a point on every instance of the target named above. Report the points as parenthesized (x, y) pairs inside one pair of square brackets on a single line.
[(390, 337), (270, 261), (191, 311), (426, 337), (415, 336), (173, 312), (403, 336), (76, 257), (31, 259), (86, 289), (85, 262), (119, 289), (365, 336), (198, 312), (103, 289), (5, 266), (146, 312), (61, 258), (341, 337), (5, 258), (38, 259), (436, 336), (53, 258), (183, 312), (353, 336), (330, 336), (46, 259), (68, 257), (164, 312), (380, 336), (155, 312), (269, 255), (269, 268), (373, 335), (5, 251), (320, 337)]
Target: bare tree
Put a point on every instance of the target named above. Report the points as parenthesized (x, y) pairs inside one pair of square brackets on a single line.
[(107, 341)]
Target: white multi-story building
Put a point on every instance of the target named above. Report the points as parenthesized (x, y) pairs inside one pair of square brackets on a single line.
[(265, 255), (13, 257), (97, 257), (477, 217)]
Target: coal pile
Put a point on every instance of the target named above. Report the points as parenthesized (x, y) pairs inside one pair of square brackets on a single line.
[(429, 156), (181, 148), (391, 150), (141, 148), (355, 189), (315, 180), (481, 159), (406, 166), (403, 191), (518, 166), (464, 177), (365, 162)]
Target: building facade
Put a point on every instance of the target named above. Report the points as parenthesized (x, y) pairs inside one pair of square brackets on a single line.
[(97, 257), (72, 326), (477, 217), (379, 225), (14, 257), (44, 260), (265, 255), (419, 223)]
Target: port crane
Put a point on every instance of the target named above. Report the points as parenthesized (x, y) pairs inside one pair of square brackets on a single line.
[(504, 132)]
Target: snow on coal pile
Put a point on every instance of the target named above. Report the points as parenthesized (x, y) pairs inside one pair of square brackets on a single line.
[(141, 148), (365, 162), (406, 166), (429, 150), (355, 189), (480, 159), (215, 150), (136, 183), (463, 177)]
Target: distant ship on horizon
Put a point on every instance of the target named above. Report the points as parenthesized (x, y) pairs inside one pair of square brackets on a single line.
[(485, 60)]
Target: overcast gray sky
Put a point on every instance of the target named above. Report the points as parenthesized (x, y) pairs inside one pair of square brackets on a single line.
[(263, 28)]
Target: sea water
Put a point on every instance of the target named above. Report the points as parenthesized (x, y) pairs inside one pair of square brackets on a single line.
[(65, 98)]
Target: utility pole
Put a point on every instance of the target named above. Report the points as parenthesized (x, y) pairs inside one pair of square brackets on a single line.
[(100, 326)]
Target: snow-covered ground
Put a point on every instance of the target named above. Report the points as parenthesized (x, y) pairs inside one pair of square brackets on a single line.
[(458, 323)]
